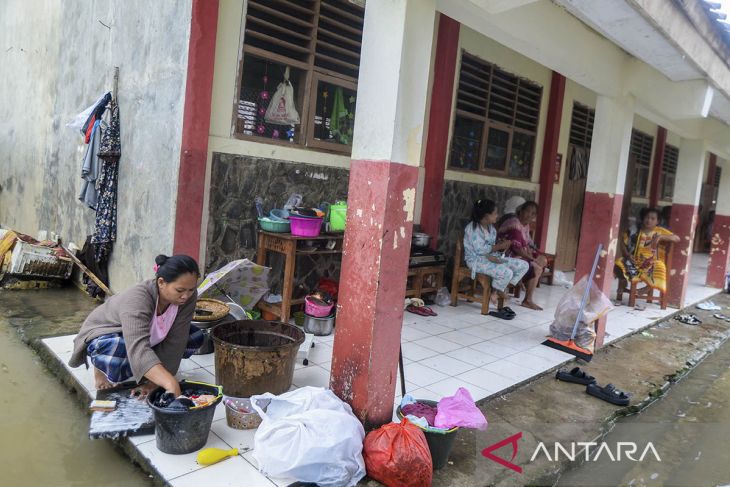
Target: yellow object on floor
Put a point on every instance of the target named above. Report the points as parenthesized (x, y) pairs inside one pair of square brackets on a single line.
[(209, 456)]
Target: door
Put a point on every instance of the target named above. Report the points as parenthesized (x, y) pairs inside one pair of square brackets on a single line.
[(571, 208)]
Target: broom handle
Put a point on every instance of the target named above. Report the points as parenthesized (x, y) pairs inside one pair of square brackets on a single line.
[(587, 291)]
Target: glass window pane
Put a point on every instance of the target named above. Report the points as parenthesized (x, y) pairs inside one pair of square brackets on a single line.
[(520, 162), (258, 85), (334, 116), (497, 143), (466, 143)]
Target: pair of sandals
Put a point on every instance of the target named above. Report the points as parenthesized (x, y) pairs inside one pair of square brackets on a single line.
[(608, 393), (421, 310), (722, 317), (689, 319), (505, 313)]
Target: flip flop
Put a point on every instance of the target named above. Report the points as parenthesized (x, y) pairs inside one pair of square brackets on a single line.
[(430, 311), (508, 310), (688, 319), (416, 310), (501, 314), (576, 376), (721, 316), (608, 393)]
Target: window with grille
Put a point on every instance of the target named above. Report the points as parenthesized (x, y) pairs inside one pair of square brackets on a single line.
[(669, 171), (641, 145), (581, 126), (495, 127), (319, 42)]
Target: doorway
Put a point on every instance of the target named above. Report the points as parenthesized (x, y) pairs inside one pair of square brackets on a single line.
[(571, 209), (574, 187)]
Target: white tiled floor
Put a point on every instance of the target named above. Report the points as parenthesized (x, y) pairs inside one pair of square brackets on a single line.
[(457, 348)]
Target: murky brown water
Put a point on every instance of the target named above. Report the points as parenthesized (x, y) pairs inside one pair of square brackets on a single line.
[(44, 430), (689, 427)]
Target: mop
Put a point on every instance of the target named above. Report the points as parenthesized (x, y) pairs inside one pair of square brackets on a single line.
[(569, 346)]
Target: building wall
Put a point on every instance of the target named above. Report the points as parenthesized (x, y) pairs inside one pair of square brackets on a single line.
[(62, 60)]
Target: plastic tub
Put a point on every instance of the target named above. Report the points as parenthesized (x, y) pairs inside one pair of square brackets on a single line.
[(312, 308), (305, 227), (254, 357), (236, 415), (274, 226), (180, 432), (440, 444), (279, 215)]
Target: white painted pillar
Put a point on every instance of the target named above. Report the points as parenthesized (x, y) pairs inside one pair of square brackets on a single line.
[(604, 192), (610, 145), (387, 150), (395, 66), (683, 222)]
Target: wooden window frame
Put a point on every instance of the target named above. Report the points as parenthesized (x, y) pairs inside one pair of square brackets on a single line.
[(665, 173), (489, 123), (640, 165), (306, 92)]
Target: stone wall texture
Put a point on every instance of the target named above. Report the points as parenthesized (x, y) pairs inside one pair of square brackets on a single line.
[(236, 180)]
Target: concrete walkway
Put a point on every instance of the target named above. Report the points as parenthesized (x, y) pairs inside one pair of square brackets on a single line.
[(540, 409)]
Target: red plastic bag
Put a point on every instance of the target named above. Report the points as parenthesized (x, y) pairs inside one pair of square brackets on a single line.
[(397, 455)]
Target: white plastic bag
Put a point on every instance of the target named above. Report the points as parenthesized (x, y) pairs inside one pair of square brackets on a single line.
[(596, 306), (310, 435), (560, 279), (281, 110), (443, 298)]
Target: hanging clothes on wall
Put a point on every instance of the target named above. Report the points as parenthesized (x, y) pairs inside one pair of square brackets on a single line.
[(91, 130), (341, 118), (110, 151)]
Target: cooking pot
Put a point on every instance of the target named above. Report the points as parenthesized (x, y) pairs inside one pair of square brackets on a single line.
[(421, 239)]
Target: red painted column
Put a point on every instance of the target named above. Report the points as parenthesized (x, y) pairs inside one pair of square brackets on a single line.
[(718, 264), (549, 154), (370, 306), (600, 224), (438, 125), (196, 127), (683, 224), (656, 172)]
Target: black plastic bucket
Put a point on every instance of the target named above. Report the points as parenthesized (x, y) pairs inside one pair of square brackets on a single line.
[(179, 432), (439, 444)]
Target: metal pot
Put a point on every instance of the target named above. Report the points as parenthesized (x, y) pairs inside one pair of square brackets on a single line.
[(421, 239), (319, 326)]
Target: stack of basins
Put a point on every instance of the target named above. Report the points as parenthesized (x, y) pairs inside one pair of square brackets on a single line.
[(319, 316)]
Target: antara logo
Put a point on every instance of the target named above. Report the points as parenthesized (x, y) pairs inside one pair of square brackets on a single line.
[(591, 450)]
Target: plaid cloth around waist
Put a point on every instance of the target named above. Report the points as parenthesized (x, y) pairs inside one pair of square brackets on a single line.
[(108, 353)]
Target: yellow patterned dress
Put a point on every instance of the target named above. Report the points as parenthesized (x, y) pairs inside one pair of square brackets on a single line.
[(648, 262)]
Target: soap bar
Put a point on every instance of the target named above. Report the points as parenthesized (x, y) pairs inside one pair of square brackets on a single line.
[(99, 405)]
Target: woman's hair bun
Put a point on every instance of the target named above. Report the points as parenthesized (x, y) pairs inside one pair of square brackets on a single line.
[(161, 259)]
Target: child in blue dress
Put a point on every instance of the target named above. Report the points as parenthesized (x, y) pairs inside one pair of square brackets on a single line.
[(482, 253)]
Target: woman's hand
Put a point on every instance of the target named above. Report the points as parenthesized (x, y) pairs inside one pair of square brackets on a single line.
[(503, 245), (160, 377), (496, 260)]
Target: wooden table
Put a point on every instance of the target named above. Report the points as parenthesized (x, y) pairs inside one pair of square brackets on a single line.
[(287, 245), (418, 275)]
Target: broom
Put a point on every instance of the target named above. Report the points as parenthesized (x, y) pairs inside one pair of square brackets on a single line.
[(569, 346)]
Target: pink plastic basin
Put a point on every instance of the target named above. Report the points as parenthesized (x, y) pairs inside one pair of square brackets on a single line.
[(305, 227)]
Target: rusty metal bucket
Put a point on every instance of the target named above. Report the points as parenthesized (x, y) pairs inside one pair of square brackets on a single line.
[(255, 356)]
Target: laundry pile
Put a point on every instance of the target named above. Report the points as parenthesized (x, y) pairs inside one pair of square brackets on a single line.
[(457, 411)]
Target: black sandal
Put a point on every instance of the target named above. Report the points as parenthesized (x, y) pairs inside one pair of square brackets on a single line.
[(576, 376), (508, 310), (688, 319), (608, 393), (502, 314)]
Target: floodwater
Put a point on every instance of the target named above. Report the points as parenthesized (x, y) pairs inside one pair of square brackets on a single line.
[(689, 428), (44, 429)]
